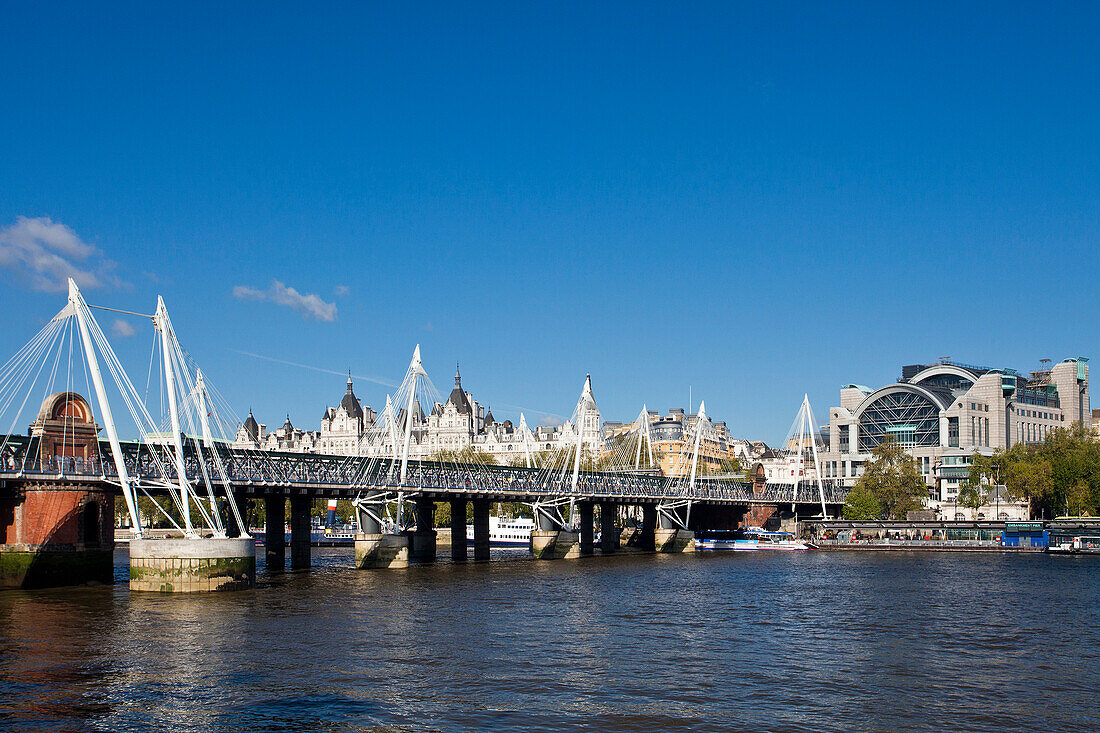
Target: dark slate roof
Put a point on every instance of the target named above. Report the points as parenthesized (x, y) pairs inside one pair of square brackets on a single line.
[(418, 415), (458, 397), (489, 417), (351, 404), (251, 427), (287, 426)]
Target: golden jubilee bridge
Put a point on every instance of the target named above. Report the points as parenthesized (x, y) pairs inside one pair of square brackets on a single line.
[(60, 479)]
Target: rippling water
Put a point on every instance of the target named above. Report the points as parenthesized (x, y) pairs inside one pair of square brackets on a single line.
[(788, 641)]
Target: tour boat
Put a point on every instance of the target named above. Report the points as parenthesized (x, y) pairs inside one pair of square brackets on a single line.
[(1076, 546), (748, 538), (506, 532)]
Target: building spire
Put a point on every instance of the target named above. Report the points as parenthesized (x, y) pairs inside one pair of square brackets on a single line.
[(588, 389), (458, 377)]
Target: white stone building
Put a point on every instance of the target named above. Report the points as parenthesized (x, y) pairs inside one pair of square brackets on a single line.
[(452, 426), (943, 413), (343, 426)]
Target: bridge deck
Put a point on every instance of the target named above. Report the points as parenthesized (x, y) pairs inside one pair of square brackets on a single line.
[(265, 473)]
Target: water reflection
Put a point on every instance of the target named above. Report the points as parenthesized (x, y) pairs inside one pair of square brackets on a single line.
[(816, 641)]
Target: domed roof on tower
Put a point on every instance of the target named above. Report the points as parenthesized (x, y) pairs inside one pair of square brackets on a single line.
[(350, 403), (458, 397)]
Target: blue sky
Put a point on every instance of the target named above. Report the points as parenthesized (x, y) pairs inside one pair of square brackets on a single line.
[(753, 200)]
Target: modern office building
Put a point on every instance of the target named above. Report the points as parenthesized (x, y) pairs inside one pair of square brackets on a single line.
[(943, 413)]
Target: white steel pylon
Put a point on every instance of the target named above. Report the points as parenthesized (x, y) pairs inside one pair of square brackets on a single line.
[(526, 440), (806, 428), (187, 397), (412, 377), (643, 434), (79, 308), (582, 408), (161, 323), (700, 422)]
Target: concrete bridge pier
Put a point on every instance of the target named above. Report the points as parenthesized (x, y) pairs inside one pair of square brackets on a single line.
[(423, 539), (275, 532), (584, 508), (668, 537), (458, 529), (192, 565), (609, 533), (301, 530), (551, 542), (375, 549), (481, 530)]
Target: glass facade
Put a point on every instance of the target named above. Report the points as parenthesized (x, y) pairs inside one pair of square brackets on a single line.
[(951, 383), (909, 417)]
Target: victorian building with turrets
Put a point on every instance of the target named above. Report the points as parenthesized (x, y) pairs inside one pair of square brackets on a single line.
[(452, 426)]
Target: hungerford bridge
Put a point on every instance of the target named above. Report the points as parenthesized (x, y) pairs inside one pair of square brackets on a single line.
[(58, 481)]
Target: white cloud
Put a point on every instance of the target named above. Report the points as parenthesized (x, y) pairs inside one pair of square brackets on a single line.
[(340, 290), (122, 328), (309, 306), (44, 254), (243, 293)]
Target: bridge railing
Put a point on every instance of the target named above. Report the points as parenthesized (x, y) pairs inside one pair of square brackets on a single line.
[(151, 464)]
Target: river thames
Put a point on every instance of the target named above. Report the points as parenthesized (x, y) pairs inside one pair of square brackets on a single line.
[(780, 642)]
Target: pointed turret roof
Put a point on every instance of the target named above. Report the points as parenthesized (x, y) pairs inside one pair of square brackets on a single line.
[(489, 417), (350, 403), (288, 427), (458, 397), (251, 427), (586, 396)]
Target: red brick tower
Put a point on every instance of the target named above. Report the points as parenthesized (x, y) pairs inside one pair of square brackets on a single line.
[(57, 516)]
